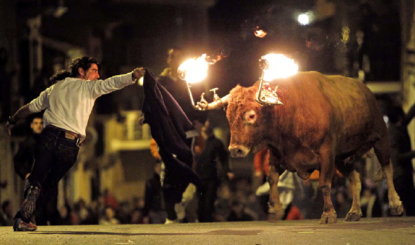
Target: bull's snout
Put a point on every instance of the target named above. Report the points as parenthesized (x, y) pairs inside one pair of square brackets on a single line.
[(238, 151)]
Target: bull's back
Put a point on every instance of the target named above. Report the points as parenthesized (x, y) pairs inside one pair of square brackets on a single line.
[(357, 116), (333, 105)]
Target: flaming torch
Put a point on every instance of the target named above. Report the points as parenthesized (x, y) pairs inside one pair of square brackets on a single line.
[(274, 66), (193, 71)]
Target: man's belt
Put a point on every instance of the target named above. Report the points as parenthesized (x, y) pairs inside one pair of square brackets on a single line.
[(68, 134)]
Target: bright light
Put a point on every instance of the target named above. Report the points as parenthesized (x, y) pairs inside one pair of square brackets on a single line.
[(260, 33), (303, 19), (193, 70), (278, 66)]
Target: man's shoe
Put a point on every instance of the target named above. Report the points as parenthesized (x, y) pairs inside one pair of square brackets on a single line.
[(20, 225)]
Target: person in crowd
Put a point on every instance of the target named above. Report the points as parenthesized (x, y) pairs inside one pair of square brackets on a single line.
[(342, 204), (369, 201), (137, 217), (68, 104), (402, 155), (238, 212), (24, 158), (108, 217), (207, 168), (223, 202), (65, 214), (154, 211), (6, 218), (110, 200)]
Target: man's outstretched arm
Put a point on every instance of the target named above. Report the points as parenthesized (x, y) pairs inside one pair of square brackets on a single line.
[(22, 113)]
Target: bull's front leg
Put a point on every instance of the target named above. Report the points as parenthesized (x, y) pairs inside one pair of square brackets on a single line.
[(326, 175), (276, 210)]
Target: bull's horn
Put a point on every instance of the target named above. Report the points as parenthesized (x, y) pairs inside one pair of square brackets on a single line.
[(214, 105)]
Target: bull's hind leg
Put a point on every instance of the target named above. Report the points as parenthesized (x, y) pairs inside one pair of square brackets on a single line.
[(326, 175), (382, 151), (348, 170)]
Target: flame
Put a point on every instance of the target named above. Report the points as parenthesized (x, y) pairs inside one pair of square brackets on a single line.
[(260, 33), (277, 66), (193, 70)]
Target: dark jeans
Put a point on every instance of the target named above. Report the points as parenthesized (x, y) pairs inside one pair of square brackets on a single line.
[(406, 191), (173, 189), (54, 156), (207, 200)]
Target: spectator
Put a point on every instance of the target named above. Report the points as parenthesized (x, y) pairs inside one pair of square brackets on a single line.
[(109, 199), (6, 218), (238, 212), (137, 217), (342, 204), (154, 211), (222, 203), (206, 168), (109, 217)]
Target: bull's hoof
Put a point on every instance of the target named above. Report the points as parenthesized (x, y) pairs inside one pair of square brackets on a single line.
[(328, 218), (353, 216), (275, 215), (398, 210)]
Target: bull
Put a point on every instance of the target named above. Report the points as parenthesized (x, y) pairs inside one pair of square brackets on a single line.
[(325, 123)]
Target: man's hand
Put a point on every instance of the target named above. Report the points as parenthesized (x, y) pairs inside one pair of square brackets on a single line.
[(138, 73), (9, 128), (230, 175)]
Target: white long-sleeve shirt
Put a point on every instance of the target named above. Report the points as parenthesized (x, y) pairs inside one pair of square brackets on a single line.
[(69, 102)]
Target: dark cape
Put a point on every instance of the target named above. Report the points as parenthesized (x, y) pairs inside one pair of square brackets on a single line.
[(168, 124)]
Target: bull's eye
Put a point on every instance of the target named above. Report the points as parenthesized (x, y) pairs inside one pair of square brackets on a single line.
[(250, 116)]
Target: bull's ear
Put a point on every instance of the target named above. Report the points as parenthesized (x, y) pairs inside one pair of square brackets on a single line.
[(250, 117)]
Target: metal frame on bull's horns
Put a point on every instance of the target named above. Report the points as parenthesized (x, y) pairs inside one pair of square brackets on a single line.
[(269, 97)]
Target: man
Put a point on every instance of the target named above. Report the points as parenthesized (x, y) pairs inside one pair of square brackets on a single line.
[(23, 160), (402, 155), (67, 104), (206, 168), (154, 211), (174, 187)]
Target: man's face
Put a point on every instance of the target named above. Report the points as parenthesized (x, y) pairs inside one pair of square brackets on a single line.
[(37, 125), (92, 73), (175, 58)]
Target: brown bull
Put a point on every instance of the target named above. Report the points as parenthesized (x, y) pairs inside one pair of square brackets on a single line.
[(325, 122)]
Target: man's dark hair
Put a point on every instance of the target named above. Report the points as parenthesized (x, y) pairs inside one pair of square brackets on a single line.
[(81, 62)]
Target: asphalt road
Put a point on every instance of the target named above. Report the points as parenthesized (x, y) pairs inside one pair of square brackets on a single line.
[(399, 230)]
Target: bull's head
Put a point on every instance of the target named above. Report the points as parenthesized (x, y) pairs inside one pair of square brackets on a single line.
[(245, 118), (246, 121)]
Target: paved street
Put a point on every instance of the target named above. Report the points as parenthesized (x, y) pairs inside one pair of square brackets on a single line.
[(367, 231)]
